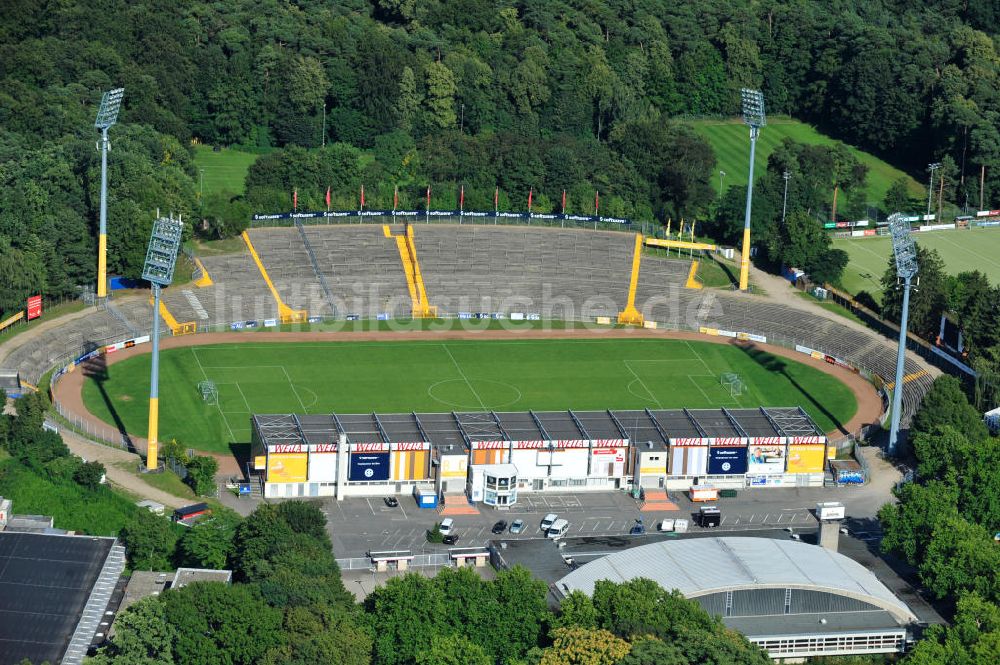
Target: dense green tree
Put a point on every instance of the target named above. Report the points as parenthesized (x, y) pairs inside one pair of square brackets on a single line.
[(945, 404), (89, 475), (149, 542), (209, 543), (143, 636), (201, 474), (961, 556), (908, 523), (973, 637), (584, 646), (215, 622), (452, 649)]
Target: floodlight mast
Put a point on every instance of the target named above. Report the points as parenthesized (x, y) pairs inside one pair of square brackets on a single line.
[(161, 255), (107, 115), (906, 268), (755, 118)]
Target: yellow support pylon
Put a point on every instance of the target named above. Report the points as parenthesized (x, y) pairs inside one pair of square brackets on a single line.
[(285, 313), (630, 315), (411, 268)]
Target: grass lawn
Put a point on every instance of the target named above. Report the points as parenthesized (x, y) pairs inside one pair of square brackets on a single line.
[(975, 249), (730, 140), (225, 171), (100, 512), (446, 376), (831, 306), (217, 247), (168, 481)]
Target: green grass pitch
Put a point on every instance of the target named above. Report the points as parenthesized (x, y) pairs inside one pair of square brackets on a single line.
[(974, 249), (225, 171), (730, 140), (446, 376)]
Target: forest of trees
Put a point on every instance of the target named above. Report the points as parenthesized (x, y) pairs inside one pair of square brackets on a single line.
[(943, 524), (546, 94)]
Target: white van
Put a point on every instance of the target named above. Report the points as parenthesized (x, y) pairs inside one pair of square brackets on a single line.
[(446, 526), (558, 529)]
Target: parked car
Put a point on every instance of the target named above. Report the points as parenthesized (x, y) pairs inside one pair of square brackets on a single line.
[(451, 539), (548, 521), (638, 528), (446, 526), (558, 529), (391, 501), (500, 527), (517, 526)]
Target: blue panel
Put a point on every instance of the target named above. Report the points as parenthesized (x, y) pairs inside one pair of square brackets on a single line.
[(369, 466), (727, 461)]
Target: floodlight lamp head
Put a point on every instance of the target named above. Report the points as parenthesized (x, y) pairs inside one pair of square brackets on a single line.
[(903, 247), (753, 107), (111, 103), (161, 255)]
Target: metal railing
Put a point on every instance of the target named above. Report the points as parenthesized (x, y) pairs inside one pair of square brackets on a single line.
[(652, 229), (315, 266)]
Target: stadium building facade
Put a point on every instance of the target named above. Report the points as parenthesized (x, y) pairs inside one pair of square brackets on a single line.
[(492, 456)]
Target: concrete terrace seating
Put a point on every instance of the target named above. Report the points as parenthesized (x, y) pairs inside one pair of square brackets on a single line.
[(556, 273), (239, 292), (287, 262), (39, 352), (362, 268)]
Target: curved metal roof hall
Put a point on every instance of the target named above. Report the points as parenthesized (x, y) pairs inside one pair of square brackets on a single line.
[(701, 566)]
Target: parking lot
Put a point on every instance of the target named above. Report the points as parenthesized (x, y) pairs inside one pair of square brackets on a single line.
[(361, 525)]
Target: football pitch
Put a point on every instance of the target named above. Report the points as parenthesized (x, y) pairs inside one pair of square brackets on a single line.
[(361, 377), (974, 249)]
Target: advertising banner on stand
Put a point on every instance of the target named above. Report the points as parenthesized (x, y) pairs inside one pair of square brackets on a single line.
[(34, 307)]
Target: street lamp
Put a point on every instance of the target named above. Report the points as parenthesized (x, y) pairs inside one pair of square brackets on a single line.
[(930, 185), (906, 267), (107, 115), (158, 270), (754, 117), (722, 174), (784, 201)]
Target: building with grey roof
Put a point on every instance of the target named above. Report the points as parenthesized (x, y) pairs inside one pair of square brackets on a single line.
[(376, 453), (793, 599)]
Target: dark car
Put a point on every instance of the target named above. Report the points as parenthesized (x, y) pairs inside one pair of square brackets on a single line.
[(638, 528), (500, 526), (391, 501), (450, 540)]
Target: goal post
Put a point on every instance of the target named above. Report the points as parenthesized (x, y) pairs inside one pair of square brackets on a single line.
[(732, 383), (209, 392)]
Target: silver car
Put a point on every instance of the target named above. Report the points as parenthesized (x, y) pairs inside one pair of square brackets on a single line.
[(517, 526)]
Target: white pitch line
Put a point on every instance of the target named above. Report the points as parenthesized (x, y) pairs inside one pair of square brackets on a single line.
[(243, 395), (467, 382), (701, 390), (643, 383), (965, 249), (292, 386)]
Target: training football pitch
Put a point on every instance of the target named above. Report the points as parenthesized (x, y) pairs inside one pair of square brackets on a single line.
[(353, 377), (974, 249)]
